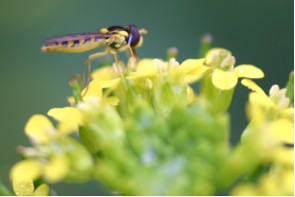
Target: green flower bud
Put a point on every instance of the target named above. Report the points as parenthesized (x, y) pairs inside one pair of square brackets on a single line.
[(172, 52)]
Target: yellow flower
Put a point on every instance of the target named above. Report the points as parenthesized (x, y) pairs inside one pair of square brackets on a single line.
[(26, 170), (56, 169), (147, 69), (53, 169), (224, 74), (39, 129), (147, 74), (27, 188), (283, 156), (42, 190), (272, 121), (23, 174), (49, 157), (244, 190), (104, 73), (191, 69), (103, 78), (69, 119), (277, 102), (276, 182)]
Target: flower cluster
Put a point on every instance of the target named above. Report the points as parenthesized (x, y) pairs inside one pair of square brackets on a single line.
[(141, 129), (272, 130)]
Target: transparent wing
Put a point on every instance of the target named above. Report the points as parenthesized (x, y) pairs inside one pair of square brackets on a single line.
[(71, 37)]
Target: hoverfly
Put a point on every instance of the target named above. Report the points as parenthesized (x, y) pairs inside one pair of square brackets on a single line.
[(112, 38)]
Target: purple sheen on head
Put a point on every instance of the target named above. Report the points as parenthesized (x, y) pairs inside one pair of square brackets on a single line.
[(135, 35)]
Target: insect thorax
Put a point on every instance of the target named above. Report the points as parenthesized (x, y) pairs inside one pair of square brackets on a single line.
[(118, 40)]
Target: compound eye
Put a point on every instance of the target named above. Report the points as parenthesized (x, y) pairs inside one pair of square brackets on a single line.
[(135, 35)]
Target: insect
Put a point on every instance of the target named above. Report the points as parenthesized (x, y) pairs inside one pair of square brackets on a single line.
[(112, 38)]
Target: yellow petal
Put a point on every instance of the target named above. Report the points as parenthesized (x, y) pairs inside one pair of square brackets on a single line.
[(288, 113), (148, 68), (145, 65), (192, 65), (261, 100), (194, 76), (283, 155), (190, 94), (145, 74), (244, 189), (113, 100), (224, 80), (42, 190), (94, 89), (255, 112), (268, 185), (249, 71), (288, 180), (63, 114), (253, 86), (145, 68), (26, 169), (283, 131), (110, 83), (69, 117), (105, 73), (56, 169), (190, 70), (23, 187), (38, 127)]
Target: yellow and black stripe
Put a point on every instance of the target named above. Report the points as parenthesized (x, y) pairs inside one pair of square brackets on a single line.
[(74, 46)]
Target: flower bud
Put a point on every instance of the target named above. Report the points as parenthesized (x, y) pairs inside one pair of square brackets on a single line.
[(172, 52)]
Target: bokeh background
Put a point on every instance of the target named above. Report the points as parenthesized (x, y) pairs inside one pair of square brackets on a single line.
[(257, 32)]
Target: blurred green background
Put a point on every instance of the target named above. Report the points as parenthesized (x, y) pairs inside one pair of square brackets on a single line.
[(257, 32)]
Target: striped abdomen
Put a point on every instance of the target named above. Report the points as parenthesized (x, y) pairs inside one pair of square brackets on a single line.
[(72, 46)]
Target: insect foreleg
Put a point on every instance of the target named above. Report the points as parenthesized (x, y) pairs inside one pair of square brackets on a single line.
[(117, 66), (132, 52), (116, 57), (88, 63)]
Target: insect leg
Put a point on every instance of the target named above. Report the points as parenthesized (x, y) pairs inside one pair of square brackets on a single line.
[(133, 58), (116, 57), (132, 52), (117, 64), (88, 62)]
